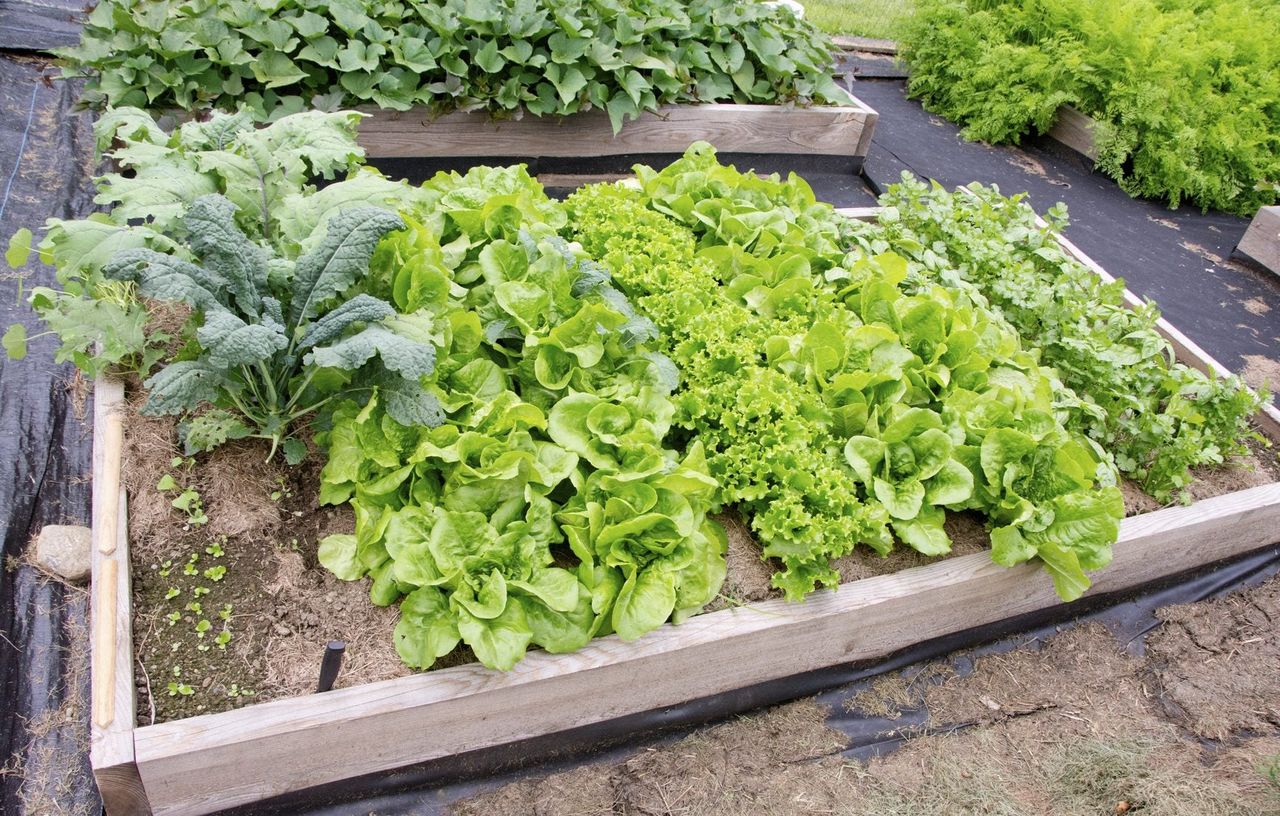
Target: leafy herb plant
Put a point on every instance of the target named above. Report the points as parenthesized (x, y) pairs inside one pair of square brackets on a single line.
[(545, 507)]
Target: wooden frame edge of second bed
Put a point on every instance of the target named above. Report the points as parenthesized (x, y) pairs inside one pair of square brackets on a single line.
[(208, 763), (819, 130)]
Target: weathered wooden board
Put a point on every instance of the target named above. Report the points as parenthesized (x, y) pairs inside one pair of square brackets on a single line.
[(111, 685), (1261, 242), (870, 45), (1075, 130), (209, 763), (778, 129)]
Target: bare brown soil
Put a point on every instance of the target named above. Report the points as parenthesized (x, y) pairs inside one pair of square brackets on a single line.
[(249, 570), (1076, 727)]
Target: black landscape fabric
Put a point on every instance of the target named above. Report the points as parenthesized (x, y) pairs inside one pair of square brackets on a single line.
[(45, 440), (45, 455), (40, 25)]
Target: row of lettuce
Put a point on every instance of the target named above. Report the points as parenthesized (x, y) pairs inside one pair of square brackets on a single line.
[(532, 406), (1185, 93)]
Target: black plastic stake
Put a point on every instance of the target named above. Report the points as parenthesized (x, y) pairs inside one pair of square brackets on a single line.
[(331, 664)]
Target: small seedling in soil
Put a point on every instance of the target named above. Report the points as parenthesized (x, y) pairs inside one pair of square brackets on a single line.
[(203, 626), (176, 688), (215, 549), (225, 612), (283, 491), (173, 617), (200, 591), (195, 607), (172, 593), (223, 638), (188, 501), (215, 573)]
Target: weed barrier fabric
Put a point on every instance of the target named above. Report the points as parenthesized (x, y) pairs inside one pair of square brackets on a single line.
[(45, 452), (39, 25), (431, 789)]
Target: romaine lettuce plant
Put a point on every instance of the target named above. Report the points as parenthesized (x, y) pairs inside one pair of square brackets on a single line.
[(908, 466), (545, 507), (1156, 417)]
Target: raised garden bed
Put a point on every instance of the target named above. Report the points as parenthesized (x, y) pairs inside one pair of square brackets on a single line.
[(216, 761)]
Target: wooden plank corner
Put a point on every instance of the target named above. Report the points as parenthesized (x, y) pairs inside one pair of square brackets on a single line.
[(1261, 241), (1075, 130), (112, 702)]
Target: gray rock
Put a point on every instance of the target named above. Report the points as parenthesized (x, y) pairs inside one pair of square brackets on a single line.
[(66, 550)]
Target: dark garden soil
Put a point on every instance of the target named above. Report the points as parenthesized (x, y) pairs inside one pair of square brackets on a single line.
[(1077, 727)]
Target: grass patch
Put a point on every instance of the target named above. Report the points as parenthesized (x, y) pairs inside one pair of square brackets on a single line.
[(882, 19)]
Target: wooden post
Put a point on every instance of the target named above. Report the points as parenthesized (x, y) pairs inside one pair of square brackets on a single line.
[(1075, 130)]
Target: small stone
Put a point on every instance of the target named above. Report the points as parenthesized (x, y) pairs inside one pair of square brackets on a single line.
[(208, 681), (66, 550), (282, 630)]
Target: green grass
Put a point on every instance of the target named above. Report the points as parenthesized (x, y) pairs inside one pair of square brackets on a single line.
[(882, 19)]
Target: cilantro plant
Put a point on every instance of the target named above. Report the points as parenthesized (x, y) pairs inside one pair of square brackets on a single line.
[(1186, 93), (1158, 418), (841, 400), (544, 57)]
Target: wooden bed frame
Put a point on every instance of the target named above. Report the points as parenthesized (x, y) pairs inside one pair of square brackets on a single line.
[(843, 130), (216, 761)]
